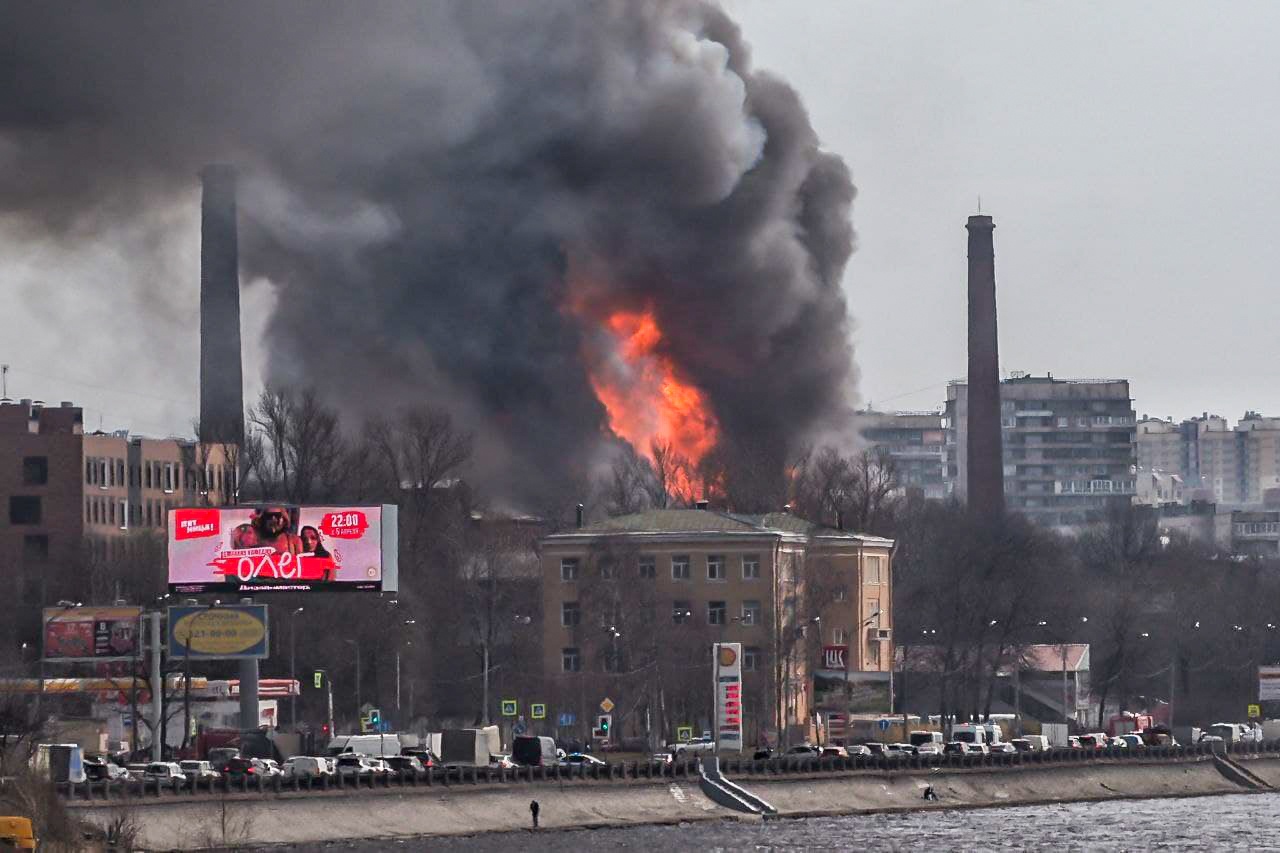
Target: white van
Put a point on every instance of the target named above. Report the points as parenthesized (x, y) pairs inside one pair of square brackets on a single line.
[(534, 751), (921, 737), (373, 746), (306, 767), (974, 733), (1031, 743)]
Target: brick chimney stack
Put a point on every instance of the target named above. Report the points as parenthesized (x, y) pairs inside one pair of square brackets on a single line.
[(985, 458), (221, 376)]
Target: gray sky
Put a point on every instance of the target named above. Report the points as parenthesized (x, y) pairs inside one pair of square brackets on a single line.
[(1125, 150)]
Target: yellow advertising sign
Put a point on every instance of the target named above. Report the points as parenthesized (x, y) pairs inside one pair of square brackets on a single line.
[(218, 632), (1255, 711)]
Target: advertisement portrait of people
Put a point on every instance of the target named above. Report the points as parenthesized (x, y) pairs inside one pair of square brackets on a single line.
[(276, 527)]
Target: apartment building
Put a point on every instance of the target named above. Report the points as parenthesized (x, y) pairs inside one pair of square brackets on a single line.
[(915, 441), (632, 605), (1068, 445), (67, 495), (1231, 466)]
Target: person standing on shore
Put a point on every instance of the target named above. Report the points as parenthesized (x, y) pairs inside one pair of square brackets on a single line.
[(533, 810)]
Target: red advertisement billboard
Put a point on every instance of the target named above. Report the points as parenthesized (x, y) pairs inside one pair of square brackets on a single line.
[(278, 547), (91, 633)]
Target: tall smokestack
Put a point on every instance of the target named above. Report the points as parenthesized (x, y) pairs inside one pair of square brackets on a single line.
[(221, 380), (985, 462)]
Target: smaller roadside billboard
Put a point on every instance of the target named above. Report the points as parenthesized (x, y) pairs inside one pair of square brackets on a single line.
[(91, 633), (204, 633)]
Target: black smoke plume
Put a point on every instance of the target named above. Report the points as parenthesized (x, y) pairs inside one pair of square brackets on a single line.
[(416, 179)]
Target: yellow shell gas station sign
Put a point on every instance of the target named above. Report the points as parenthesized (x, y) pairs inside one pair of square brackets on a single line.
[(235, 631)]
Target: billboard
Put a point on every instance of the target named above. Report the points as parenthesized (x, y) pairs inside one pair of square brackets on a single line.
[(728, 690), (1268, 683), (231, 631), (282, 548), (91, 633)]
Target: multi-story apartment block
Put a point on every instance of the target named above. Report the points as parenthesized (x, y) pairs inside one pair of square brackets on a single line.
[(1068, 445), (1231, 466), (632, 605), (917, 444), (67, 495)]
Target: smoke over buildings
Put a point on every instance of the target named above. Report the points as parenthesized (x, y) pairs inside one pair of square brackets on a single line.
[(452, 200)]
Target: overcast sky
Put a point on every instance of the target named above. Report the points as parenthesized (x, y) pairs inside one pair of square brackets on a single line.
[(1126, 150)]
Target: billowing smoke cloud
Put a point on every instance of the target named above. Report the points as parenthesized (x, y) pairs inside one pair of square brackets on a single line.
[(417, 180)]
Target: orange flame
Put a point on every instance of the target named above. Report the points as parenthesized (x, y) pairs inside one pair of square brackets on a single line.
[(647, 400)]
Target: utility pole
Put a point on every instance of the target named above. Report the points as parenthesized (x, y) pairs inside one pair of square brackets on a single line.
[(293, 672), (485, 714), (1065, 718), (157, 688)]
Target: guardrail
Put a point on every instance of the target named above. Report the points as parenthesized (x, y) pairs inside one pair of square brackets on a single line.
[(641, 770)]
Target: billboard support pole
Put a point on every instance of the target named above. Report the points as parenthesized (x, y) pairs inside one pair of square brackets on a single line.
[(157, 688), (328, 682), (250, 714)]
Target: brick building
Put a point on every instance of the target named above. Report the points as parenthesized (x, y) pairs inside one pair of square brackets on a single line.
[(68, 496), (631, 606)]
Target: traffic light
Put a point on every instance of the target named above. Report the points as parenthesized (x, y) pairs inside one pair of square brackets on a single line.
[(319, 679), (604, 722), (375, 718), (324, 729)]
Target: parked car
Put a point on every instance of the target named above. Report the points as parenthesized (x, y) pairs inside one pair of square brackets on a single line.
[(920, 737), (137, 772), (1030, 743), (929, 749), (901, 749), (355, 764), (164, 771), (406, 765), (306, 767), (1002, 748), (270, 767), (1133, 741), (236, 768), (877, 748), (101, 770), (834, 752), (1117, 741), (197, 770), (693, 747), (960, 747), (1073, 742), (763, 753), (584, 759), (1095, 740), (858, 749), (803, 749), (502, 761)]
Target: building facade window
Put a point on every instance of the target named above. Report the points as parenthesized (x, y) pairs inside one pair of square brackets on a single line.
[(715, 567), (570, 660), (750, 567), (570, 614), (873, 570), (680, 612), (680, 567), (35, 470), (751, 658), (648, 566), (24, 509), (751, 612), (840, 637), (716, 613), (35, 548), (841, 594), (607, 567), (873, 654), (569, 569)]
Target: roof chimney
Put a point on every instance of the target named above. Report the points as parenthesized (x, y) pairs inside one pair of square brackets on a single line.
[(579, 515), (702, 504), (221, 376), (985, 493)]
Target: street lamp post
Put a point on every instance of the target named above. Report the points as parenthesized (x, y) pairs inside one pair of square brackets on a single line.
[(359, 705), (293, 671), (410, 642)]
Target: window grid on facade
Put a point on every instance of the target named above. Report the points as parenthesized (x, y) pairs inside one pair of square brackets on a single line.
[(680, 612), (680, 568), (751, 612), (750, 567), (570, 661), (873, 570), (751, 658), (715, 567), (648, 566), (570, 615), (569, 569), (716, 612)]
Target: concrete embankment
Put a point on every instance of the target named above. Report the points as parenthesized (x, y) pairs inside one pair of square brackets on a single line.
[(863, 793), (242, 820), (239, 820)]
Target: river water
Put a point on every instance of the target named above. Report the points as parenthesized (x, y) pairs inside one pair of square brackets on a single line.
[(1229, 822)]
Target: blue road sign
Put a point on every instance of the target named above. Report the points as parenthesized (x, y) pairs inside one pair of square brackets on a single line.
[(568, 719), (884, 725)]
